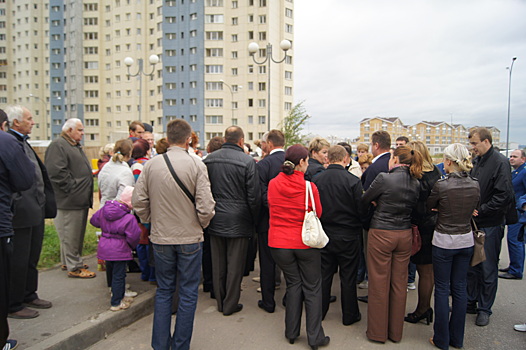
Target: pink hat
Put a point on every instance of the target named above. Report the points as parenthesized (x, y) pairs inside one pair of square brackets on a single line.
[(126, 196)]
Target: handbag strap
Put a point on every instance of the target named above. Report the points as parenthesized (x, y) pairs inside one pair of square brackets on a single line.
[(179, 182), (308, 193), (474, 224)]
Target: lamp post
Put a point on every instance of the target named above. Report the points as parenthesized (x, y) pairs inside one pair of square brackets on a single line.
[(253, 48), (509, 101), (128, 61), (232, 97), (44, 116)]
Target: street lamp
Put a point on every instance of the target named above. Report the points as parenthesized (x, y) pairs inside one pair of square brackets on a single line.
[(232, 97), (509, 100), (44, 115), (128, 61), (253, 48)]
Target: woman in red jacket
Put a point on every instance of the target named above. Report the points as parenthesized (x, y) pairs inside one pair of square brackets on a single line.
[(300, 264)]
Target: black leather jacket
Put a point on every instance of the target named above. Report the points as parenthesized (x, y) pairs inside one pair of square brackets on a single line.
[(236, 189), (396, 194), (455, 197)]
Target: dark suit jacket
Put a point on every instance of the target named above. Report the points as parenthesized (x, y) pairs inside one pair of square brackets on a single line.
[(268, 168), (381, 165), (28, 212)]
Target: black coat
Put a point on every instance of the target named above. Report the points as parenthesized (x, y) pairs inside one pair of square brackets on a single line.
[(16, 174), (493, 173), (341, 200), (381, 165), (235, 187), (396, 194), (314, 169), (28, 212), (268, 168)]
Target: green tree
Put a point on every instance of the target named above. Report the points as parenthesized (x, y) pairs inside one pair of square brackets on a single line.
[(293, 124)]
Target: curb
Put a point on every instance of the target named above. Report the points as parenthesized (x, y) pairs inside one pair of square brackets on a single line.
[(98, 328)]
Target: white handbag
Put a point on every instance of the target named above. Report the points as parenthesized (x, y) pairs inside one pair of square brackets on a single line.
[(312, 232)]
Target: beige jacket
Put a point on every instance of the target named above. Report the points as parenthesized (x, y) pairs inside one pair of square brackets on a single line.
[(159, 200)]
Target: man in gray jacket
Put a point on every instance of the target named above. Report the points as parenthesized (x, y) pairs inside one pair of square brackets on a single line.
[(173, 194), (70, 172)]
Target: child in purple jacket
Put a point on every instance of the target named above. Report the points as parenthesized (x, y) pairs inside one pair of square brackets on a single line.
[(120, 234)]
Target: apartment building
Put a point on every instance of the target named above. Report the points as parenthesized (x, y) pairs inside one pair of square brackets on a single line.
[(393, 126), (204, 73)]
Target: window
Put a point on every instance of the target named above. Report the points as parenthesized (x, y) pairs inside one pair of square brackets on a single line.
[(91, 122), (288, 12), (234, 71), (262, 3), (234, 37), (193, 16), (262, 86), (213, 102), (261, 119), (288, 106), (234, 4), (171, 86), (251, 102), (262, 35), (214, 119), (262, 69), (91, 108), (250, 35), (288, 90), (251, 119), (262, 19), (91, 93), (214, 35), (216, 52), (288, 75), (234, 21), (250, 69), (214, 68), (214, 19), (234, 54), (288, 28), (214, 3), (262, 103), (171, 101)]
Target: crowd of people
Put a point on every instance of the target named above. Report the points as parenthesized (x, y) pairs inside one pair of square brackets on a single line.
[(194, 218)]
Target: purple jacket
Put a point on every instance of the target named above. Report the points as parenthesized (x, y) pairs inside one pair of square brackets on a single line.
[(120, 231)]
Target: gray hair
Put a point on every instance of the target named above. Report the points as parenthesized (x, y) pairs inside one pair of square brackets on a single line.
[(459, 155), (71, 124), (15, 112)]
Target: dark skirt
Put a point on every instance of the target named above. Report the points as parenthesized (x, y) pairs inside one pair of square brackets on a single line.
[(424, 255)]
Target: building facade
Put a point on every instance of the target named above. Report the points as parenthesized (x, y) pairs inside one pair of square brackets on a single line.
[(67, 59)]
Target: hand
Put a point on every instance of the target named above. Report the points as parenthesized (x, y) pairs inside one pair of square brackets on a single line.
[(374, 203), (434, 209), (475, 212)]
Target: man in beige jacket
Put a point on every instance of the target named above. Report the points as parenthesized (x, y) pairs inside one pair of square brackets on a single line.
[(177, 221)]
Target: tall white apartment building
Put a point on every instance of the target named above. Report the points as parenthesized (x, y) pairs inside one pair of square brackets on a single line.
[(205, 73)]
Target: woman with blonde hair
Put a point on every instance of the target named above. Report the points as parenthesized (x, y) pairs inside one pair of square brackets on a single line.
[(425, 221), (116, 174), (395, 194), (318, 150), (455, 198)]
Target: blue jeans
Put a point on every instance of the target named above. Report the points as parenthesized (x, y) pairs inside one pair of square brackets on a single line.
[(483, 278), (411, 273), (118, 281), (450, 267), (143, 253), (516, 251), (175, 264)]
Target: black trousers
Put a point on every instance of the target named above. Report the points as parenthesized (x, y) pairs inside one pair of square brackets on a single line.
[(302, 270), (207, 263), (228, 264), (251, 254), (345, 255), (267, 271), (23, 283), (6, 248)]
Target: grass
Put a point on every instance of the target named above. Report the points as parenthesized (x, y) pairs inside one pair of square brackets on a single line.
[(50, 255)]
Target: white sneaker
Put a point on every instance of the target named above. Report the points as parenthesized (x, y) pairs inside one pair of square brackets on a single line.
[(122, 306), (130, 293), (520, 327), (364, 285), (256, 279), (411, 286)]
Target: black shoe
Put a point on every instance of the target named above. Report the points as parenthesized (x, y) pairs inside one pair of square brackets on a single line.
[(324, 342), (212, 295), (482, 319), (284, 300), (238, 308), (506, 269), (509, 276), (357, 319), (414, 318), (292, 340), (262, 306), (471, 308), (332, 299), (364, 299)]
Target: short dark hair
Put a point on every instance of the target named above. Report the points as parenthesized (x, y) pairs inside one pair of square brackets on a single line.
[(3, 118), (347, 147), (276, 137), (403, 138), (523, 154), (484, 134), (234, 134), (214, 144), (337, 153), (178, 131), (134, 124), (382, 138), (140, 148), (161, 146)]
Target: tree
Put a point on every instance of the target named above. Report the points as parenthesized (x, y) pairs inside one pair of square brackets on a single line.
[(293, 124)]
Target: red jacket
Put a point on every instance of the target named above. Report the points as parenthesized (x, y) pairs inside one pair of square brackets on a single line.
[(286, 200)]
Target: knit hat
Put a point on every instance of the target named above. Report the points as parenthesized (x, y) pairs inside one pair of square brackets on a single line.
[(126, 196)]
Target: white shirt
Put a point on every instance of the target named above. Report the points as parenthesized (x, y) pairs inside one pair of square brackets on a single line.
[(445, 241), (378, 156)]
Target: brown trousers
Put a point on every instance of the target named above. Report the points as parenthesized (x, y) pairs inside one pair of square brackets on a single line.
[(388, 253)]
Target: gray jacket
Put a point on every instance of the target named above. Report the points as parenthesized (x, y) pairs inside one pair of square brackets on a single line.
[(70, 173)]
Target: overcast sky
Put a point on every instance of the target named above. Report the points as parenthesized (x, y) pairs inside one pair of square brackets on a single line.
[(417, 60)]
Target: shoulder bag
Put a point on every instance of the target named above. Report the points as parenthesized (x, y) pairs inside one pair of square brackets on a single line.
[(176, 178), (312, 232), (479, 255)]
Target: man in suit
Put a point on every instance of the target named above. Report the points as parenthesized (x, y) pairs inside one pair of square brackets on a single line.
[(380, 146), (31, 208), (268, 168)]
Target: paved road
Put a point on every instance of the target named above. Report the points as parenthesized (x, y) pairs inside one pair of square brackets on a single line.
[(253, 328)]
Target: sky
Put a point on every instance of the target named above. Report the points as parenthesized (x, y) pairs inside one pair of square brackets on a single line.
[(432, 60)]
